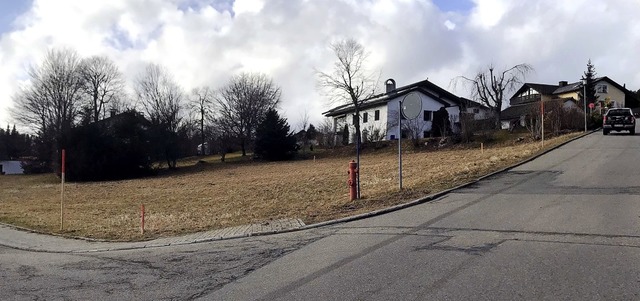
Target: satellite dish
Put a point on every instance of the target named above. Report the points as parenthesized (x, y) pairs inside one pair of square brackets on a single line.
[(411, 105)]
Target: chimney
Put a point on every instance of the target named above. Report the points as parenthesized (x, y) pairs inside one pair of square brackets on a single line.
[(563, 83), (391, 85)]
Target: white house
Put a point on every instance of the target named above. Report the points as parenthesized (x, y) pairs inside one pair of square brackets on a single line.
[(379, 114), (10, 168)]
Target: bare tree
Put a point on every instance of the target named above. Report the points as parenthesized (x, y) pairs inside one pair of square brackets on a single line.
[(103, 83), (242, 104), (304, 124), (533, 122), (326, 133), (50, 102), (350, 82), (490, 86), (221, 138), (202, 105), (161, 98)]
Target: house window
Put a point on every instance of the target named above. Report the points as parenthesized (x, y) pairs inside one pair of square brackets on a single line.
[(601, 88), (427, 115), (476, 111), (376, 115), (365, 117)]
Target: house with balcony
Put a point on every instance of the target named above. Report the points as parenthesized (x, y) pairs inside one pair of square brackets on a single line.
[(379, 114), (568, 95)]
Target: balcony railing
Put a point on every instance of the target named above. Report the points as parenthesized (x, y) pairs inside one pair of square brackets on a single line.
[(525, 99)]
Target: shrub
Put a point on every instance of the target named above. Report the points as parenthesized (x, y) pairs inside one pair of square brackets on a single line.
[(274, 141), (109, 150)]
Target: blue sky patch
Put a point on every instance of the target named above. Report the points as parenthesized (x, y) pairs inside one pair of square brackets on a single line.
[(460, 6), (10, 10), (219, 5)]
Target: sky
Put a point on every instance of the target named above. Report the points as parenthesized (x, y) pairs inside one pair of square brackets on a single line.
[(205, 42)]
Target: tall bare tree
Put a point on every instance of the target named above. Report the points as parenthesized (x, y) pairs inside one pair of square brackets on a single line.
[(326, 133), (50, 102), (202, 105), (103, 83), (349, 82), (242, 104), (490, 86), (304, 124), (161, 98)]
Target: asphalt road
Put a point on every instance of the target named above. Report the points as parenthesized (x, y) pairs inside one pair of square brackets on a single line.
[(565, 226)]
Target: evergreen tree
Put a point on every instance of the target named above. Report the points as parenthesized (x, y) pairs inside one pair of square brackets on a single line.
[(311, 132), (274, 141), (345, 135), (4, 155), (441, 125), (590, 76), (14, 145), (110, 150)]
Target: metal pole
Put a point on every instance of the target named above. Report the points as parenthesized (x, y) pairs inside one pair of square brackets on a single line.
[(400, 142)]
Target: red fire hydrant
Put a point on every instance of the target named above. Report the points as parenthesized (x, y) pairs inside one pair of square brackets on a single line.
[(352, 182)]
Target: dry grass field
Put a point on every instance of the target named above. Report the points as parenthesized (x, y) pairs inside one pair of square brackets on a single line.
[(214, 195)]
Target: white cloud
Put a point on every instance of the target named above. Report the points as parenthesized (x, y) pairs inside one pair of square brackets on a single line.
[(204, 42), (449, 25), (247, 6)]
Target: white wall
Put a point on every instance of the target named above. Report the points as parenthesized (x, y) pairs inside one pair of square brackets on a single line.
[(11, 167), (389, 111), (617, 96), (481, 115), (371, 123), (428, 104)]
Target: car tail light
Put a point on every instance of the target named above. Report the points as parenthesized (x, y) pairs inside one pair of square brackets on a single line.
[(604, 118)]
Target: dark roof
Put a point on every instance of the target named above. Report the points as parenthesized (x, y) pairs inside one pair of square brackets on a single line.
[(541, 88), (607, 79), (568, 88), (545, 89), (426, 87), (472, 104), (516, 111), (118, 118)]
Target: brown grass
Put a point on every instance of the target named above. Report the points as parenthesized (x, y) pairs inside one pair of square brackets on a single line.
[(215, 195)]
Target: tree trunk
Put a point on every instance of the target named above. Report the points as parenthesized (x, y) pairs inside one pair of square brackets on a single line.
[(203, 153), (498, 124)]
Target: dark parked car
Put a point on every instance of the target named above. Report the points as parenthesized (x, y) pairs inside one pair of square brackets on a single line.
[(618, 119)]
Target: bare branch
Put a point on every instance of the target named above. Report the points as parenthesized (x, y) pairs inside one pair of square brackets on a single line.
[(103, 83), (243, 103), (489, 86)]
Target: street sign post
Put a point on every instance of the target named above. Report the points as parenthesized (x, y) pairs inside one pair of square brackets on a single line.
[(410, 107)]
